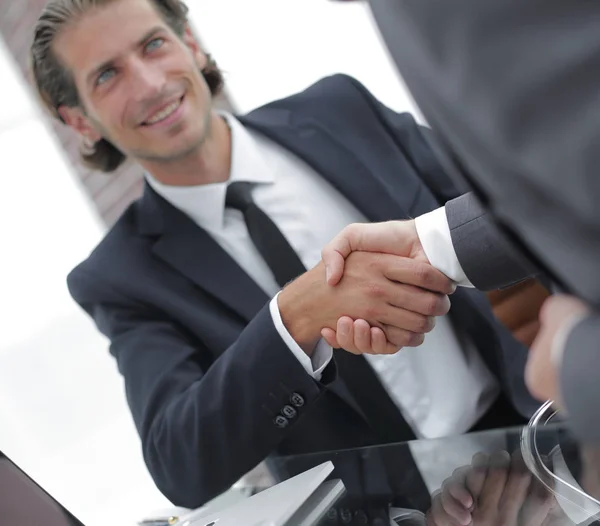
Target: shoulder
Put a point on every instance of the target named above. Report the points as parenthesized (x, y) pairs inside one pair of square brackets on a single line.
[(327, 95), (112, 256)]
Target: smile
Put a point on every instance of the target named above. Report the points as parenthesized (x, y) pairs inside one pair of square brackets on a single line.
[(165, 113)]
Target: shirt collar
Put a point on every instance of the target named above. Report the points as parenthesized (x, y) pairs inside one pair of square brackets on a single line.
[(205, 204)]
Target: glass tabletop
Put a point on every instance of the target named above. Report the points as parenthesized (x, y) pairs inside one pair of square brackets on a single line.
[(531, 476)]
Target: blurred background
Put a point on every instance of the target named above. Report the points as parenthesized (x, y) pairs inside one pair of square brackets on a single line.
[(63, 415)]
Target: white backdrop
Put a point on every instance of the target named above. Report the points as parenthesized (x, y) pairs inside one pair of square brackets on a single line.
[(272, 48), (63, 415)]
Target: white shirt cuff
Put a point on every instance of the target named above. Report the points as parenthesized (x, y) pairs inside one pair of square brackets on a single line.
[(557, 349), (322, 355), (434, 233)]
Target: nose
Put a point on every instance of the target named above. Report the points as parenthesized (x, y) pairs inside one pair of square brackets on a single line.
[(148, 79)]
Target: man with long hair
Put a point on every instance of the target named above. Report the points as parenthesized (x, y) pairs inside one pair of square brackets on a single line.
[(202, 285)]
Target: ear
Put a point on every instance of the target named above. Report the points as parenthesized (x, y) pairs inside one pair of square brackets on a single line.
[(190, 40), (75, 118)]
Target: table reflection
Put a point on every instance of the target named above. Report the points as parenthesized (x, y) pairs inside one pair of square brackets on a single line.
[(479, 479)]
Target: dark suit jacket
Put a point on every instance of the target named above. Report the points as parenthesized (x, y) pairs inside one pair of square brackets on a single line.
[(206, 372), (511, 90)]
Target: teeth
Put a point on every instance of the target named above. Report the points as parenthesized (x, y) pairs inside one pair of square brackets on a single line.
[(162, 115)]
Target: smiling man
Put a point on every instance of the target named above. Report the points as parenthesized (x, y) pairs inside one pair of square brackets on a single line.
[(202, 287)]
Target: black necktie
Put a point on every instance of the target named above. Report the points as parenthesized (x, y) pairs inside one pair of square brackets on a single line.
[(267, 238), (366, 389)]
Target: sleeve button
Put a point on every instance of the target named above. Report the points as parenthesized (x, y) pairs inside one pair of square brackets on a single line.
[(297, 400), (289, 412), (281, 422)]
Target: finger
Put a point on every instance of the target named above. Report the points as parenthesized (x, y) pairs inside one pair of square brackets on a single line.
[(392, 237), (362, 336), (379, 342), (559, 307), (454, 507), (345, 334), (334, 266), (538, 506), (477, 475), (353, 237), (516, 488), (330, 337), (415, 299), (493, 487), (437, 515), (540, 502), (401, 338), (458, 487), (417, 273), (407, 320)]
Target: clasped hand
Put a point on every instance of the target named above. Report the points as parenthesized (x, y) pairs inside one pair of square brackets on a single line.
[(425, 295)]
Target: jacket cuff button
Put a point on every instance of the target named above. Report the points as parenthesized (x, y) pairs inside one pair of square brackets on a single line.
[(281, 422), (297, 400)]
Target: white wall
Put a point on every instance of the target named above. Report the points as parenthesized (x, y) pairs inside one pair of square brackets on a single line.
[(272, 48), (63, 415)]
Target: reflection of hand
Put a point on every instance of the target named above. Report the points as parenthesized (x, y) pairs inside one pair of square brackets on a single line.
[(590, 456), (393, 237), (493, 491), (558, 314), (400, 296)]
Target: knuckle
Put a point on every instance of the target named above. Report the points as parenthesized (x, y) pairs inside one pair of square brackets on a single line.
[(456, 473), (424, 324), (376, 291), (445, 308), (410, 339), (405, 339), (434, 305), (431, 323), (446, 486), (416, 340), (396, 337), (370, 312), (422, 274)]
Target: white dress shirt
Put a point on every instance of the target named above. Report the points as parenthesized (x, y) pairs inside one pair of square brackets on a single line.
[(441, 388)]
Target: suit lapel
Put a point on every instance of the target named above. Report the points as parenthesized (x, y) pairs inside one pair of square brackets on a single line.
[(339, 163), (194, 253)]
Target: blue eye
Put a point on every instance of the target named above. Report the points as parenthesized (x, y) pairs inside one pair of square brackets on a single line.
[(154, 44), (105, 76)]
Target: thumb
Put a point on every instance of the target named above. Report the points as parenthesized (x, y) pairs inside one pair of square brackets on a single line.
[(334, 265), (336, 251)]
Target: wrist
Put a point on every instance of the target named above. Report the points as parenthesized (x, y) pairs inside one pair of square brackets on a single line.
[(416, 248), (297, 303)]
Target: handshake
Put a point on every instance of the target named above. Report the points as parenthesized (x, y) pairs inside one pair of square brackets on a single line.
[(374, 292)]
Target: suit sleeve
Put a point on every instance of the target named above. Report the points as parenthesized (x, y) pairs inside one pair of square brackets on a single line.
[(203, 425), (579, 379), (486, 256)]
